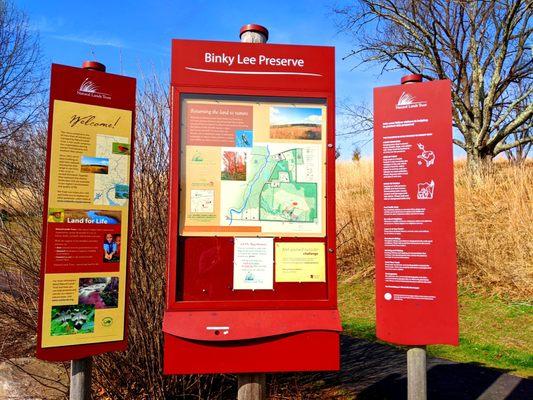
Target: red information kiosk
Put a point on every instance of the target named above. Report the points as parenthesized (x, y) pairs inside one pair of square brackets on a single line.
[(251, 264)]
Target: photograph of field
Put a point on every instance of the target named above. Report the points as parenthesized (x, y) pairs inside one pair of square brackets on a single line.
[(94, 165), (296, 123)]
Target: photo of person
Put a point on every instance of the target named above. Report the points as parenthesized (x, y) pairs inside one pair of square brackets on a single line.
[(56, 215), (117, 242), (111, 247)]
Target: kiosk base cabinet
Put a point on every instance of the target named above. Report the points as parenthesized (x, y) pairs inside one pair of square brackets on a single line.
[(249, 342)]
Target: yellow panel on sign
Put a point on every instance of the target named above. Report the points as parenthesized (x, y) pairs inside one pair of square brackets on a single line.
[(300, 262), (84, 295)]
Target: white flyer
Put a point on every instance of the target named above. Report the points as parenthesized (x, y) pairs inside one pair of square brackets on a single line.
[(253, 263)]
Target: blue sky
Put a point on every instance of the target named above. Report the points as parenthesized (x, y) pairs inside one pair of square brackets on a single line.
[(295, 115), (88, 160), (133, 37)]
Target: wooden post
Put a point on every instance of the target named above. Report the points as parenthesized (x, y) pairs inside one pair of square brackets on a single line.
[(416, 356), (252, 386), (416, 373), (80, 370), (80, 379)]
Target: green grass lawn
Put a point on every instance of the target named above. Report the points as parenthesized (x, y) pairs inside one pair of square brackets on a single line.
[(493, 332)]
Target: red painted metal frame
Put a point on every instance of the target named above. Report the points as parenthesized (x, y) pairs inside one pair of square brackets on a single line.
[(281, 353), (64, 82)]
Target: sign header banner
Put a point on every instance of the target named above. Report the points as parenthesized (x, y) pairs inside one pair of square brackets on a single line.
[(225, 64)]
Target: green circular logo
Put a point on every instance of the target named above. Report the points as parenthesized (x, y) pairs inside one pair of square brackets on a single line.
[(107, 321)]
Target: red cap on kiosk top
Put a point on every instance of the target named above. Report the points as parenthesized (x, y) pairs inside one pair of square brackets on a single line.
[(254, 28), (94, 65), (412, 78)]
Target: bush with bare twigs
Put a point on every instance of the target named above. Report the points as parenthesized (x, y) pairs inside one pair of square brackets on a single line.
[(136, 373)]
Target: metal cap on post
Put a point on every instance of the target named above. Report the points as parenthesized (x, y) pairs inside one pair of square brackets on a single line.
[(253, 33), (412, 78), (93, 65)]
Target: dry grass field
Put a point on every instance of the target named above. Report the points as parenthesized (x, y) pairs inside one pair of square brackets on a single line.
[(494, 223), (296, 131), (95, 169)]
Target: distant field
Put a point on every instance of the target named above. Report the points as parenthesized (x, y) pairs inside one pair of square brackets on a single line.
[(296, 131), (95, 169)]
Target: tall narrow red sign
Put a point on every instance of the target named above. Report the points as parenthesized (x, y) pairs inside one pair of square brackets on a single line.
[(83, 291), (416, 267)]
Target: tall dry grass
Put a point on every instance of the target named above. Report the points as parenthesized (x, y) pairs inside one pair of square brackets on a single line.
[(494, 224), (494, 221)]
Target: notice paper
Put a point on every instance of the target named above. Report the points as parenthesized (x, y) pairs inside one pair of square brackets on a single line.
[(300, 262), (253, 260)]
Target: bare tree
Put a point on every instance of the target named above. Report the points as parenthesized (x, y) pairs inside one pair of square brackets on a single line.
[(483, 47), (519, 154), (356, 121), (20, 71)]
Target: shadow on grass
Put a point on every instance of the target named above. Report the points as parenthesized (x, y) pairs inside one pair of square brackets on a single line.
[(371, 370)]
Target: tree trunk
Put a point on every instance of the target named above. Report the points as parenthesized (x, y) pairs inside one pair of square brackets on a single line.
[(477, 164)]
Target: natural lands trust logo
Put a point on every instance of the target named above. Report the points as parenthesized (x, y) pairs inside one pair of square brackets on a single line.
[(407, 100), (89, 88)]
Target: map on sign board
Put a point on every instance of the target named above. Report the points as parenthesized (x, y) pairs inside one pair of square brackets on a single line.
[(253, 168), (112, 188)]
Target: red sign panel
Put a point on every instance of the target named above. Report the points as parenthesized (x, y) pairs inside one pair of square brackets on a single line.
[(87, 214), (251, 259), (416, 268), (251, 65)]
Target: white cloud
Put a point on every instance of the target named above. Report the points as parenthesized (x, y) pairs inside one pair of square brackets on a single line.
[(91, 40), (45, 24), (314, 119), (275, 117)]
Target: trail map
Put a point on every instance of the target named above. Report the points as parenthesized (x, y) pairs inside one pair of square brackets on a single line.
[(111, 189), (282, 187)]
